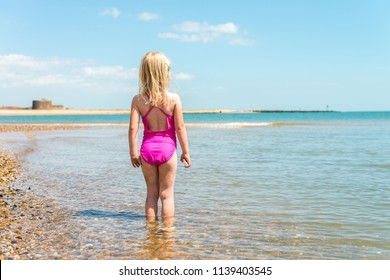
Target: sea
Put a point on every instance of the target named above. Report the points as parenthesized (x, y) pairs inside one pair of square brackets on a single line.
[(279, 186)]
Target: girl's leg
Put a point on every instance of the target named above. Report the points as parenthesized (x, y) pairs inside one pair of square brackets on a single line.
[(151, 175), (167, 175)]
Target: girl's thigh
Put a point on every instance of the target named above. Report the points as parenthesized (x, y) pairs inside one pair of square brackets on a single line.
[(167, 172)]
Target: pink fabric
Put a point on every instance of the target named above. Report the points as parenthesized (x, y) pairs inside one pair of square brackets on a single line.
[(158, 146)]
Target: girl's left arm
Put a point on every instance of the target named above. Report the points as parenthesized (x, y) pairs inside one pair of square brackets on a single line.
[(133, 134), (182, 133)]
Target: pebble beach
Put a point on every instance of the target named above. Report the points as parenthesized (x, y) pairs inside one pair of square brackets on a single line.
[(26, 219)]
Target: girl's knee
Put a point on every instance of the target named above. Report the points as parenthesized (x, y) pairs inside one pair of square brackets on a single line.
[(166, 194)]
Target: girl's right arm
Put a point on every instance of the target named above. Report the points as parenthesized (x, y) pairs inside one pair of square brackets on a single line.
[(133, 134), (182, 133)]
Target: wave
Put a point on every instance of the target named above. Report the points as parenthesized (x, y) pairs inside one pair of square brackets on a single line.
[(241, 124), (188, 124), (207, 124)]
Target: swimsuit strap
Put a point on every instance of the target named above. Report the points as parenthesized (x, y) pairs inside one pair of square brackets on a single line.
[(166, 114), (151, 108), (147, 113), (162, 111), (169, 118)]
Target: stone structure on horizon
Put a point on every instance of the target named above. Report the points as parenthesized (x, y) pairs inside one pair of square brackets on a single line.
[(45, 104)]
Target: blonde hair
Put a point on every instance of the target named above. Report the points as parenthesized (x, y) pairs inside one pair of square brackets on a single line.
[(154, 78)]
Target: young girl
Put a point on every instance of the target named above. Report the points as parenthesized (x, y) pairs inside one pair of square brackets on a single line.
[(162, 117)]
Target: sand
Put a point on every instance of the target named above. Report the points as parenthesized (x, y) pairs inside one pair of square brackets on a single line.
[(35, 127), (29, 112)]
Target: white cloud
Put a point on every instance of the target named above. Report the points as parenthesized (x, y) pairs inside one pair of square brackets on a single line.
[(188, 37), (145, 16), (117, 72), (241, 41), (20, 71), (114, 12), (192, 31), (18, 61), (54, 79), (196, 27), (183, 76)]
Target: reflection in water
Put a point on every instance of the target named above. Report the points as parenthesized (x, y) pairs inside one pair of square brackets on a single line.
[(159, 243)]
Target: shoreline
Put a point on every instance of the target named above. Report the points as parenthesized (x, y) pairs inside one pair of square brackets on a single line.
[(64, 112), (27, 220), (30, 112), (4, 128)]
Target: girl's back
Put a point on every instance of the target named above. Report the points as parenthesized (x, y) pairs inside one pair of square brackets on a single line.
[(155, 117)]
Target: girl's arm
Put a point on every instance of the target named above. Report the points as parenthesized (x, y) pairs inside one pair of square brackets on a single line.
[(133, 134), (182, 133)]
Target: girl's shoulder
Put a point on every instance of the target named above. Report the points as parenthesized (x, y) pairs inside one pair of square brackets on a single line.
[(173, 96), (138, 99)]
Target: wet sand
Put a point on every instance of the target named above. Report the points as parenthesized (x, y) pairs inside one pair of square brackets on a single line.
[(27, 221)]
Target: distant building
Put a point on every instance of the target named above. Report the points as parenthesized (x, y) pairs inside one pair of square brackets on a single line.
[(45, 104)]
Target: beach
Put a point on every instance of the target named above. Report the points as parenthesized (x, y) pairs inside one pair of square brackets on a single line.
[(30, 112), (26, 219)]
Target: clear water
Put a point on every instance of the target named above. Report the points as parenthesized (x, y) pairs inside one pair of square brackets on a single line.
[(204, 119), (262, 186)]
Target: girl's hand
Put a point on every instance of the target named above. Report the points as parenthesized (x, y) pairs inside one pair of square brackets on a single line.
[(136, 161), (185, 158)]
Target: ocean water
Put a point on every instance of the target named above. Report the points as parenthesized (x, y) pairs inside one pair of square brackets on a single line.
[(262, 186)]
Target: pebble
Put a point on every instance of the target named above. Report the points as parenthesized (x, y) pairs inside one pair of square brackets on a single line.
[(27, 128), (21, 236)]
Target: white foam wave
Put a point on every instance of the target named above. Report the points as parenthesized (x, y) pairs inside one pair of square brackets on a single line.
[(230, 125)]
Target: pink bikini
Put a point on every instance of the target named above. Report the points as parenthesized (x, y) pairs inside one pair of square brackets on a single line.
[(158, 146)]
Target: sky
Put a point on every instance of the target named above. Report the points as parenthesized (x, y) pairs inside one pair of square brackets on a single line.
[(225, 54)]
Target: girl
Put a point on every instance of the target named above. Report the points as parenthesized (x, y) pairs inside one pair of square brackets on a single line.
[(162, 117)]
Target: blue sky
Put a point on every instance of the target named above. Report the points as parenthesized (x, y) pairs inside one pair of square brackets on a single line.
[(255, 54)]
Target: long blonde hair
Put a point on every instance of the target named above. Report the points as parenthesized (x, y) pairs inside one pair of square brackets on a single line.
[(154, 78)]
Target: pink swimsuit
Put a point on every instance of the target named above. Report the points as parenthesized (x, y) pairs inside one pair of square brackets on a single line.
[(158, 146)]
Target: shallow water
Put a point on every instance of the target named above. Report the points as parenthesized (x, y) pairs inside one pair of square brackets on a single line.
[(318, 189)]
